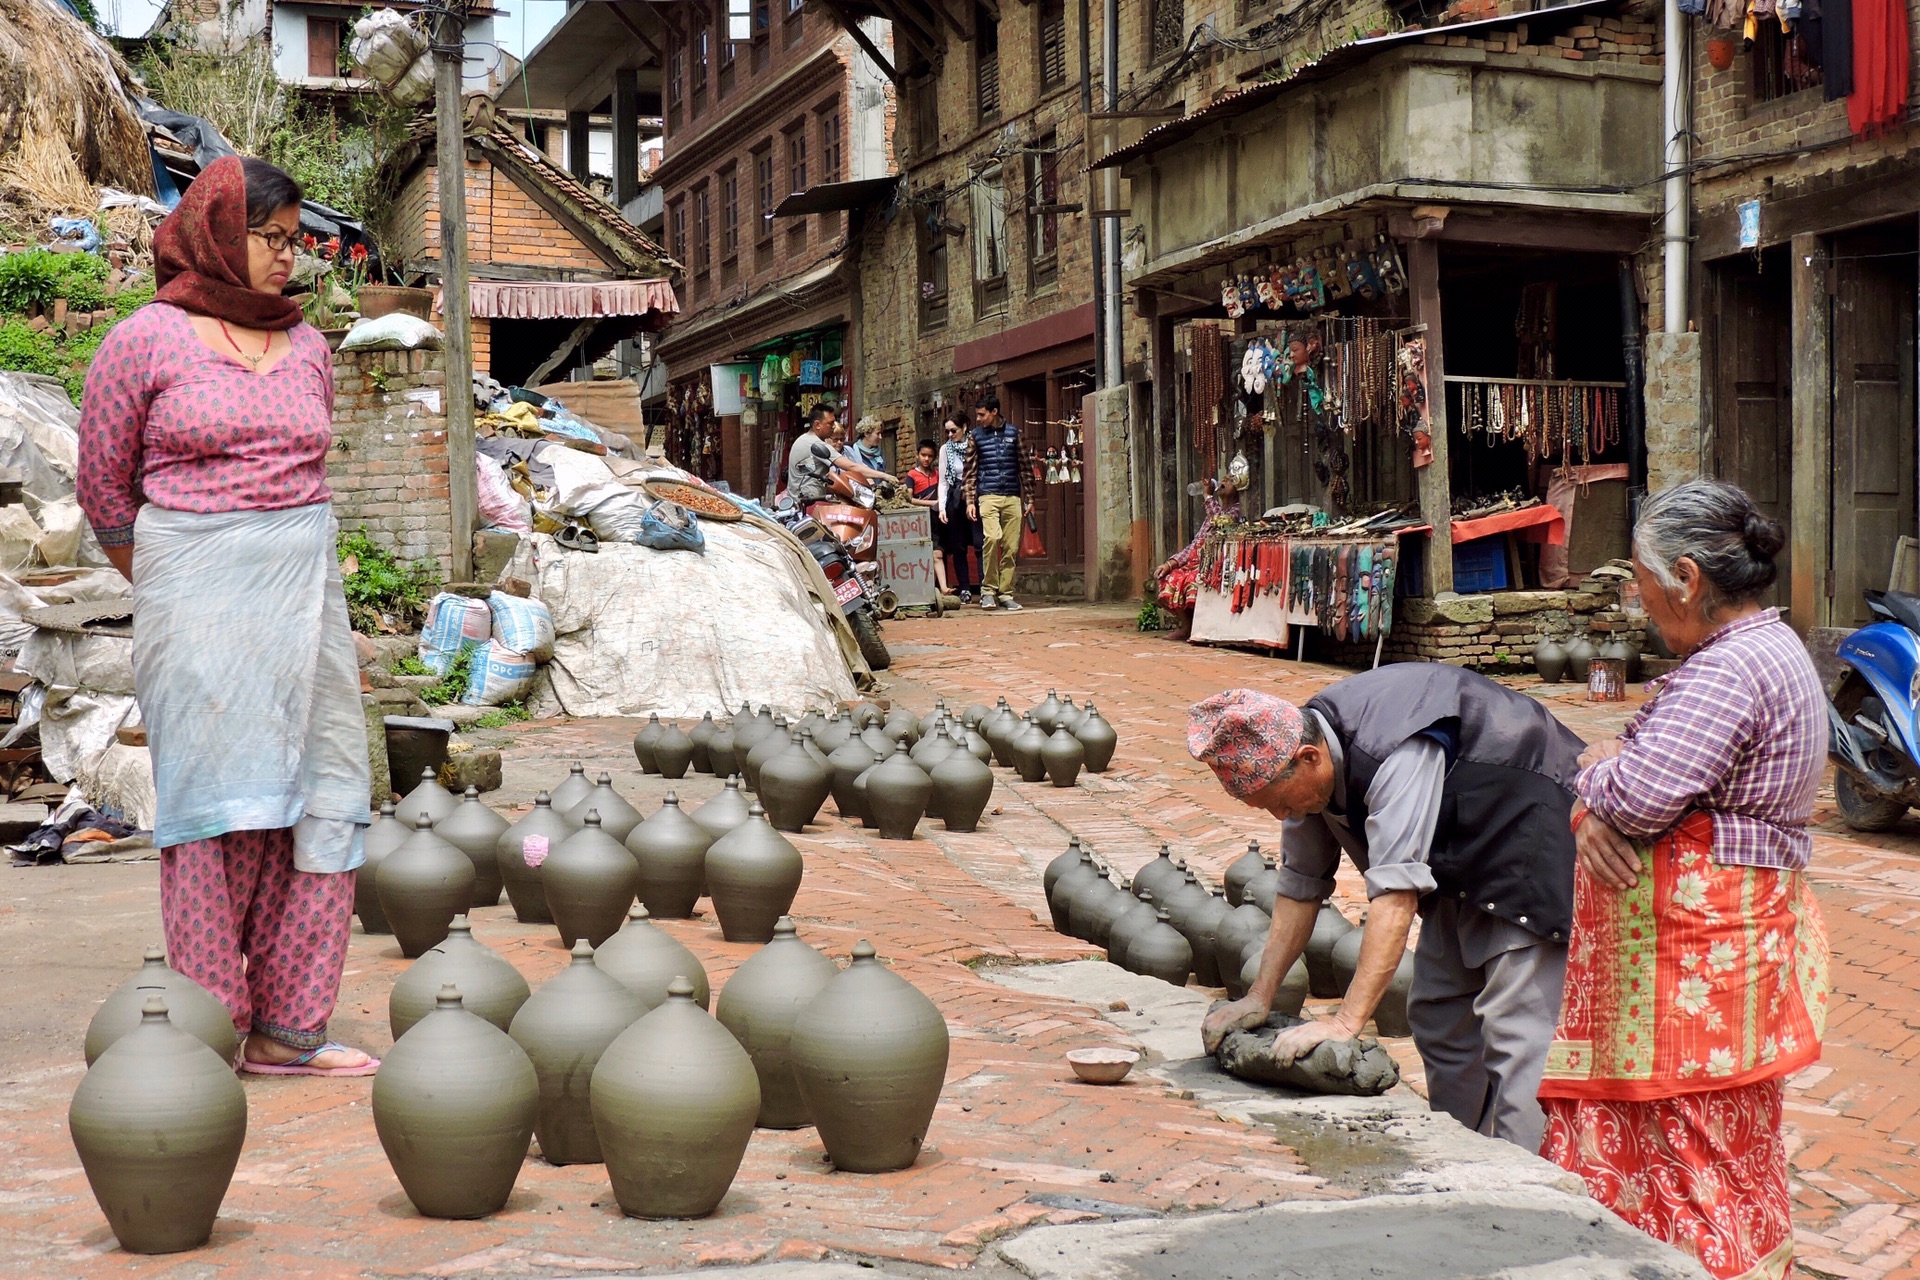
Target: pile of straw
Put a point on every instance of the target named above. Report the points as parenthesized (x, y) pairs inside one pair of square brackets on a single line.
[(62, 91)]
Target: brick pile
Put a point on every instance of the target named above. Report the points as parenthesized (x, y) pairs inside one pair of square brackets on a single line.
[(388, 465), (1615, 39)]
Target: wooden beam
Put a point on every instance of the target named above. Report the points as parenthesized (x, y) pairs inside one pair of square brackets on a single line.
[(561, 352), (1434, 483), (915, 23), (620, 13), (852, 26), (1892, 193), (1810, 526), (1572, 233)]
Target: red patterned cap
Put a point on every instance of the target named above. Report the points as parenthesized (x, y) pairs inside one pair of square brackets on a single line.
[(1246, 738)]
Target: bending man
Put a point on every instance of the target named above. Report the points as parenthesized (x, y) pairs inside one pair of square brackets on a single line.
[(1451, 794)]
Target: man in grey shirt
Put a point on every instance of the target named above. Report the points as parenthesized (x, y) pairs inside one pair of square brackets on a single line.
[(1370, 771), (812, 461)]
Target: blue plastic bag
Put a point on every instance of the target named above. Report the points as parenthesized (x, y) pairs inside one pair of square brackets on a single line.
[(678, 531)]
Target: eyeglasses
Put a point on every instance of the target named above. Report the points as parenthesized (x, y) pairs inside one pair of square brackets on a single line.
[(275, 239)]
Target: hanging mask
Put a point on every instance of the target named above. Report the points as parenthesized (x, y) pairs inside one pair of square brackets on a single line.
[(1328, 263), (1387, 265), (1230, 297), (1362, 278), (1263, 284)]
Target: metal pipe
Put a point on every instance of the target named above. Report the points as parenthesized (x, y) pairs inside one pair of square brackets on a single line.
[(1632, 426), (1109, 258), (1094, 225), (1676, 98)]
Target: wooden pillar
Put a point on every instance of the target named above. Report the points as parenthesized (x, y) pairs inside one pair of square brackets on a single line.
[(450, 164), (1811, 525), (1433, 482), (579, 145), (626, 136)]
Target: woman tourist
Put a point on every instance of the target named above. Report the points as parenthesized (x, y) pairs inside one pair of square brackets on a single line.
[(1696, 980), (1177, 582), (955, 534), (203, 448)]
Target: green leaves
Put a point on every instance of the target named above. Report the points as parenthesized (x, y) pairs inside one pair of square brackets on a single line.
[(383, 595)]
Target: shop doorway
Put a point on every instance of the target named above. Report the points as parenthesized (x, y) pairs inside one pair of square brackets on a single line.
[(1749, 335), (1047, 411)]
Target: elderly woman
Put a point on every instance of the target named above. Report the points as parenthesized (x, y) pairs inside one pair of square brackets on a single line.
[(1177, 582), (1696, 979), (203, 469)]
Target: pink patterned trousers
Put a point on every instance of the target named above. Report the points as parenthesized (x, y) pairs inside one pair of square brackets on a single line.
[(268, 940)]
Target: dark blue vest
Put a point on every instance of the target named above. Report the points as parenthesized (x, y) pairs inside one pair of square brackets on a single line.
[(997, 453)]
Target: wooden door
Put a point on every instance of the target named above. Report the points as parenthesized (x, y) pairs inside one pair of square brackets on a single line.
[(1873, 412), (1753, 389)]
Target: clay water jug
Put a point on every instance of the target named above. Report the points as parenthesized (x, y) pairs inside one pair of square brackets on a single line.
[(429, 798), (1241, 870), (158, 1121), (794, 784), (489, 985), (643, 742), (645, 959), (766, 720), (974, 716), (849, 760), (454, 1103), (423, 885), (572, 791), (674, 1100), (962, 787), (1550, 660), (1265, 885), (1160, 951), (1580, 654), (863, 714), (1097, 738), (753, 873), (1062, 863), (766, 749), (722, 757), (1184, 899), (830, 736), (759, 1005), (671, 850), (859, 798), (1201, 928), (999, 729), (1390, 1015), (933, 747), (877, 741), (976, 745), (1070, 716), (933, 717), (617, 817), (700, 735), (1125, 927), (897, 794), (1346, 957), (564, 1028), (1075, 877), (672, 752), (1094, 907), (1044, 712), (1029, 744), (1160, 876), (1292, 992), (1063, 757), (382, 838), (727, 810), (590, 882), (522, 848), (747, 735), (1245, 925), (190, 1007), (475, 830), (743, 717), (870, 1053), (1328, 928), (901, 724)]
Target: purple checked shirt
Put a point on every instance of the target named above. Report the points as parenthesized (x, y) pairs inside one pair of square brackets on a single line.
[(1739, 732)]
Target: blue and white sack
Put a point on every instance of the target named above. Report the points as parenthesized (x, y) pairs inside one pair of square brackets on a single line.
[(454, 625), (524, 626), (498, 675)]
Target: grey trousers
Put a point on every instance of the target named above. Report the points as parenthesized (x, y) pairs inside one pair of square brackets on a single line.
[(1485, 997)]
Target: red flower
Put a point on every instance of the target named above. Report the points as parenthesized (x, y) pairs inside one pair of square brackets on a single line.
[(332, 246), (358, 253), (310, 243)]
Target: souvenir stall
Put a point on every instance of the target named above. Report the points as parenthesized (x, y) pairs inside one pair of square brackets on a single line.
[(693, 428)]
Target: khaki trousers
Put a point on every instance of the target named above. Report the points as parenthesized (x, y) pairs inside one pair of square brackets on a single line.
[(1000, 538)]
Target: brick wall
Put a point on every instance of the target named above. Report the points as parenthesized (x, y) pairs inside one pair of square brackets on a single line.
[(388, 465), (1496, 631), (504, 225)]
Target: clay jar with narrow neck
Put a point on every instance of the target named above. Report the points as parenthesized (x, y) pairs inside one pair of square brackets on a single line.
[(753, 873), (897, 794), (769, 746), (1184, 899), (1097, 738), (571, 791), (1201, 928), (830, 736), (1245, 925), (1094, 907), (590, 882), (870, 1054), (1346, 957), (489, 986), (475, 830), (901, 724), (1265, 885), (522, 848), (932, 748), (428, 797), (877, 741), (643, 743), (975, 715), (849, 760), (1044, 712), (158, 1121), (1292, 991), (1322, 975), (671, 849), (998, 729), (1061, 864), (1139, 915), (1550, 660), (794, 784), (759, 1005), (727, 810), (926, 722), (1029, 760), (1063, 757), (722, 757), (1160, 951), (564, 1029), (1390, 1015), (1240, 871), (863, 714), (674, 1100), (617, 817), (1580, 654), (382, 838), (645, 959), (672, 752), (423, 885), (1065, 874), (190, 1007), (962, 788), (1159, 876), (1070, 716), (700, 736), (454, 1103)]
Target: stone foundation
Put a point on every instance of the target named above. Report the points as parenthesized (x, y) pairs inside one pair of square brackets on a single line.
[(1494, 632)]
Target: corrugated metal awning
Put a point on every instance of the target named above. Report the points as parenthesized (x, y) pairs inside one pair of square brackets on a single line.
[(554, 300)]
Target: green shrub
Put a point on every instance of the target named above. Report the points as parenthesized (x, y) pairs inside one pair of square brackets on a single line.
[(383, 594), (453, 685), (503, 715), (38, 277), (26, 351)]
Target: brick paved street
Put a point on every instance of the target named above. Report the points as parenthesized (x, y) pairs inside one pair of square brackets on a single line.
[(1016, 1142)]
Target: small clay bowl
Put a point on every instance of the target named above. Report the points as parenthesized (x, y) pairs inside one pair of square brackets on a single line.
[(1102, 1066)]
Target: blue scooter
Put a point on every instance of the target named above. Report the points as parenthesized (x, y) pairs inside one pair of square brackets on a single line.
[(1873, 735)]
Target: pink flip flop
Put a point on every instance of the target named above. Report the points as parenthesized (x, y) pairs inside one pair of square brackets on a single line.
[(303, 1065)]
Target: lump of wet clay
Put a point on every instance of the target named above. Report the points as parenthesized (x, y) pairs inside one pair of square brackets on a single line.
[(1359, 1067)]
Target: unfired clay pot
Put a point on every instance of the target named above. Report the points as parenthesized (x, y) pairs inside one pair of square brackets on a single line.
[(645, 959), (759, 1005), (999, 729), (1292, 993), (975, 744), (848, 761), (382, 838), (1160, 876), (1044, 712), (1240, 871), (897, 794), (1328, 928), (832, 734), (423, 885), (962, 788), (428, 797), (1244, 926), (670, 849), (475, 830), (617, 817), (975, 715), (933, 717), (1580, 653), (1097, 738), (190, 1007), (933, 747), (1185, 898), (794, 784), (700, 735), (901, 724), (1390, 1015), (1074, 876), (870, 1053), (572, 791), (158, 1121), (1160, 951), (727, 810), (766, 749), (1094, 907), (522, 848), (1201, 928), (863, 714), (590, 881), (753, 873), (1265, 885), (672, 752), (674, 1100), (489, 985), (877, 741), (1069, 717), (1550, 660), (643, 743), (564, 1029), (1029, 759), (1139, 916), (454, 1103), (722, 758), (1346, 957)]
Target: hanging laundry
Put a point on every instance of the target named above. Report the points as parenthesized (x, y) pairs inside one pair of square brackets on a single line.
[(1836, 40), (1880, 58)]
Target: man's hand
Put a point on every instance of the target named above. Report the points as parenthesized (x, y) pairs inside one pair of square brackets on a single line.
[(973, 511), (1242, 1014), (1608, 856), (1604, 750), (1297, 1042)]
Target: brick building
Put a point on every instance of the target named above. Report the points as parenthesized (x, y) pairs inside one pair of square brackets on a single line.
[(388, 464)]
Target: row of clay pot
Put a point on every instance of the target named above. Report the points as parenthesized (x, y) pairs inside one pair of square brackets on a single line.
[(1555, 662)]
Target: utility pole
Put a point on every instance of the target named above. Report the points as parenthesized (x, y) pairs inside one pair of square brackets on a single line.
[(449, 56)]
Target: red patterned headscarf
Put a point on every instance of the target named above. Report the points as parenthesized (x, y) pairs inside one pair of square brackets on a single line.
[(1247, 738), (200, 254)]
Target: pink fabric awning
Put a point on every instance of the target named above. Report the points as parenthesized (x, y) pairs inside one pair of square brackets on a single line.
[(549, 300)]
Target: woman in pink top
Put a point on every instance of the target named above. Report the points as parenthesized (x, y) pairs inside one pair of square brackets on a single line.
[(203, 444)]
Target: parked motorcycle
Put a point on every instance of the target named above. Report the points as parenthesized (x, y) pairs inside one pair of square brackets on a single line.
[(1873, 736), (837, 562)]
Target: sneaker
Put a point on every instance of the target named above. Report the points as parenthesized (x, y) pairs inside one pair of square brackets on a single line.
[(1008, 602), (966, 597), (986, 602)]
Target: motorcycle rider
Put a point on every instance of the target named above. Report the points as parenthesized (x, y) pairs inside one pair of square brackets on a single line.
[(812, 461)]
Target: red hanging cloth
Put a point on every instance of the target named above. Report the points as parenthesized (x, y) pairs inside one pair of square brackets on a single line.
[(1879, 95)]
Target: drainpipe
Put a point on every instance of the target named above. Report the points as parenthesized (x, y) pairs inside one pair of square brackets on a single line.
[(1109, 260), (1095, 226), (1676, 96)]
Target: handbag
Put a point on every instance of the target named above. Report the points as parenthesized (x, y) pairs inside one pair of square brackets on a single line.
[(1031, 548)]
